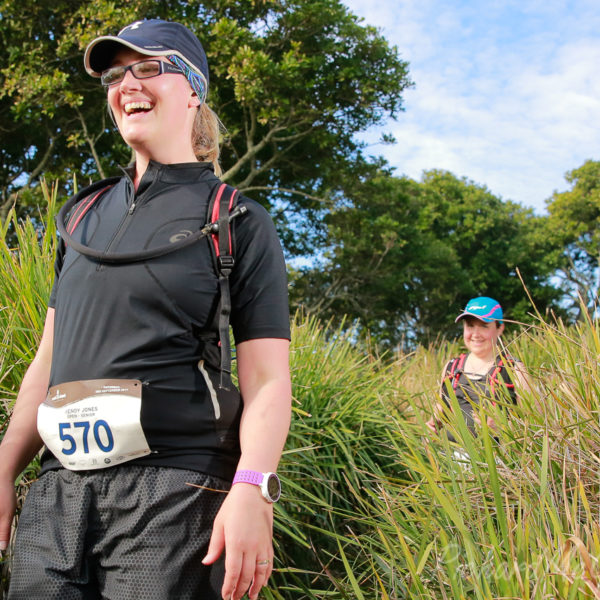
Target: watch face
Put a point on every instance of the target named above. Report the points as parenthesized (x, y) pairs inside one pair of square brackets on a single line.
[(273, 487)]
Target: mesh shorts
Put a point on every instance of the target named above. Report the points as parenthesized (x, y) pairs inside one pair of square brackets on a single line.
[(130, 532)]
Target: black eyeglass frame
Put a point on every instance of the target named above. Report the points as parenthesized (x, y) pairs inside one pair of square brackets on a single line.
[(164, 67)]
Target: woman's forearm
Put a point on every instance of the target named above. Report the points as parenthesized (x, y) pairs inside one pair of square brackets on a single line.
[(21, 441)]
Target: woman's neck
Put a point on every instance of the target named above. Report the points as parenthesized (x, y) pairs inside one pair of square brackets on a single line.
[(479, 364), (141, 165)]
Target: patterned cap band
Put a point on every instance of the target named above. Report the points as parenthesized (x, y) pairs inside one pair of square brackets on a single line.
[(196, 80)]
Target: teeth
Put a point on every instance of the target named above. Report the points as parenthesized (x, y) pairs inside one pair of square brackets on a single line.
[(133, 106)]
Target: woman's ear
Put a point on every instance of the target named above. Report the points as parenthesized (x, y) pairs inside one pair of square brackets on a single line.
[(194, 101)]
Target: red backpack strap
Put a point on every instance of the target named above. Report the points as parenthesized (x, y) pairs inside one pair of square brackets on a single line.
[(82, 207), (457, 368), (454, 369), (221, 210), (494, 378)]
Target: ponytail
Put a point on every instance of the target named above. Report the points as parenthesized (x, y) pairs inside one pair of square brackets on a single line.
[(206, 136)]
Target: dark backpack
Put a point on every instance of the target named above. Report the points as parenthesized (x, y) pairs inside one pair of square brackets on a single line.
[(222, 209), (454, 370)]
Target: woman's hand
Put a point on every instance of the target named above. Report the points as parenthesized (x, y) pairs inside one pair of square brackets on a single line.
[(435, 423), (8, 506), (432, 425), (490, 422), (243, 529)]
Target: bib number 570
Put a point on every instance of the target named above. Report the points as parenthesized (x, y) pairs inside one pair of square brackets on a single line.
[(101, 433)]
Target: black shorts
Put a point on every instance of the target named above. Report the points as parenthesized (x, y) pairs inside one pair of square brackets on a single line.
[(123, 533)]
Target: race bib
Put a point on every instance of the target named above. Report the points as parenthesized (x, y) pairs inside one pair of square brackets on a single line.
[(93, 424)]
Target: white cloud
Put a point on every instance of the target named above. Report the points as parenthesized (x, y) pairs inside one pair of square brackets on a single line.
[(506, 96)]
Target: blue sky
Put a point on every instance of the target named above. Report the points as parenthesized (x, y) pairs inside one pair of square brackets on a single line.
[(507, 93)]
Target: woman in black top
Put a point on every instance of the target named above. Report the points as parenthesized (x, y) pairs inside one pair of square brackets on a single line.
[(144, 437), (482, 372)]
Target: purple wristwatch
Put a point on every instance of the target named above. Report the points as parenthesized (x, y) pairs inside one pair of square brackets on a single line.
[(269, 483)]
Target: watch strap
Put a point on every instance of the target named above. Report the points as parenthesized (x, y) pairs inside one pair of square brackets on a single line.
[(244, 476)]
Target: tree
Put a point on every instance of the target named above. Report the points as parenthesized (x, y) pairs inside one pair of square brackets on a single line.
[(370, 249), (51, 112), (499, 245), (575, 226), (293, 81), (403, 257)]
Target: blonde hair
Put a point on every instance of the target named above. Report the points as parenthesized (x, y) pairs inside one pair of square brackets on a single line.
[(206, 136)]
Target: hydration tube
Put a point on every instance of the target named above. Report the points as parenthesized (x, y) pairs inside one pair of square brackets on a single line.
[(131, 257)]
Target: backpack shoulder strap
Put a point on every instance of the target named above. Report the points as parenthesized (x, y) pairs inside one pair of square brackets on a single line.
[(457, 367), (82, 207), (499, 368), (454, 369), (78, 205), (222, 209)]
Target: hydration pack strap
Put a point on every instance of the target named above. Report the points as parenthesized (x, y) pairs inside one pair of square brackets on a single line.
[(222, 212), (494, 379), (124, 257), (456, 369)]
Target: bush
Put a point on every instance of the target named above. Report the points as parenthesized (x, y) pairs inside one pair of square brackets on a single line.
[(26, 276), (373, 506)]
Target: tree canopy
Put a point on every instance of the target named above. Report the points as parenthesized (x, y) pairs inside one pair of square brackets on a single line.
[(404, 256), (574, 224), (293, 81)]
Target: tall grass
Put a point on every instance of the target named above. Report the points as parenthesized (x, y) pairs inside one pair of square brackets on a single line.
[(26, 276), (516, 517), (374, 507), (381, 509), (336, 453)]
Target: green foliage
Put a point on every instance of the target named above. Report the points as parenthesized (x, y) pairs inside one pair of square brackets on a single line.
[(26, 276), (376, 508), (53, 117), (336, 451), (517, 518), (293, 82), (575, 225), (403, 257), (381, 510), (368, 270), (493, 247)]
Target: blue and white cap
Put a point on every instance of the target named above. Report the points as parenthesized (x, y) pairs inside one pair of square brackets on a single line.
[(483, 308), (153, 37)]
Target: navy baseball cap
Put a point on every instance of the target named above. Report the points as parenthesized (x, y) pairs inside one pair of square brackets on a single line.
[(483, 308), (153, 37)]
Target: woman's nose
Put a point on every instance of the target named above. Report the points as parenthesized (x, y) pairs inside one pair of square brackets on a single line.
[(129, 81)]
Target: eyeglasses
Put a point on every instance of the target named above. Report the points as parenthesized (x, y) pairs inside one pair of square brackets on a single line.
[(140, 70)]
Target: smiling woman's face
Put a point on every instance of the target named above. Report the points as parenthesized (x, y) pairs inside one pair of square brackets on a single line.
[(480, 337), (155, 115)]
